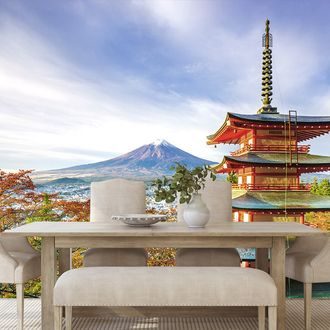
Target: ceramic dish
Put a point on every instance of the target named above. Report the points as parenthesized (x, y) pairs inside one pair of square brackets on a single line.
[(139, 220)]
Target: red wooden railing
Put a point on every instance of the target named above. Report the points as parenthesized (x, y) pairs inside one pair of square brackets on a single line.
[(303, 149), (304, 187)]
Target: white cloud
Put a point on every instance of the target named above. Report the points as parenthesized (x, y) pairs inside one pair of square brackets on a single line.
[(48, 103), (182, 17), (234, 55)]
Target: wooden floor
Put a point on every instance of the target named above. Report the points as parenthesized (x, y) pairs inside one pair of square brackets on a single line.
[(321, 319)]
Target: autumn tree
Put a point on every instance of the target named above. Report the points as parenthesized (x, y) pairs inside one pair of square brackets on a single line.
[(73, 210), (21, 203), (18, 198), (319, 220)]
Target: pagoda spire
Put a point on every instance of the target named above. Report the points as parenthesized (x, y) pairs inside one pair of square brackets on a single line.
[(267, 43)]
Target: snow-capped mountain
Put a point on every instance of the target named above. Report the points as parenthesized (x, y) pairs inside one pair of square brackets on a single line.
[(147, 162)]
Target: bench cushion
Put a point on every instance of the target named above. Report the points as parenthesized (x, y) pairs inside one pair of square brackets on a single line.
[(165, 286)]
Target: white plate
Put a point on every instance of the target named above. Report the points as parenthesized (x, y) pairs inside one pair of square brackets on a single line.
[(139, 220)]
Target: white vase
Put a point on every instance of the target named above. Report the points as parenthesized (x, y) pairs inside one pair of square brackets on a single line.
[(196, 214)]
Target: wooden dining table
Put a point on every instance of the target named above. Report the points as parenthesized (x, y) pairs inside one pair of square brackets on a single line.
[(65, 235)]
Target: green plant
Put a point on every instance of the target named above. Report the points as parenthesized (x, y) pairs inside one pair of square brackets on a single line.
[(232, 177), (184, 181)]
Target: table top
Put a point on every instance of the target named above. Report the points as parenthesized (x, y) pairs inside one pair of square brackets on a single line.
[(97, 229)]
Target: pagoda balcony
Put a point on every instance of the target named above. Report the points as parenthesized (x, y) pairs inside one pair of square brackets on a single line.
[(263, 187), (302, 149)]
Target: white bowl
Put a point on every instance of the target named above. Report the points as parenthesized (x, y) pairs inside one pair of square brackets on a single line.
[(139, 220)]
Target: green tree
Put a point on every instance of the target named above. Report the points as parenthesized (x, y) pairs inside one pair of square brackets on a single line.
[(321, 188), (315, 186)]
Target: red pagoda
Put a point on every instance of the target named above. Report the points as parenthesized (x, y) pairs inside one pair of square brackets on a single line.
[(270, 158)]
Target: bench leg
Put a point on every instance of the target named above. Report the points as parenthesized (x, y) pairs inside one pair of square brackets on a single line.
[(308, 305), (20, 305), (68, 317), (58, 318), (261, 317), (272, 318)]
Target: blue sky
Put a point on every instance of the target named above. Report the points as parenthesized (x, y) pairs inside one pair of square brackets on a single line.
[(83, 81)]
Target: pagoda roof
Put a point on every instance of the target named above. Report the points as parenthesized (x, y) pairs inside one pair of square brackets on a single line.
[(279, 159), (280, 200), (308, 162), (280, 118), (236, 125)]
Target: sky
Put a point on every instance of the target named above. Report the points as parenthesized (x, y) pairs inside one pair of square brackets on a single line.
[(86, 80)]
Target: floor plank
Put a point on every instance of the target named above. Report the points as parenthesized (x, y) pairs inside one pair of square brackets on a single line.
[(295, 315)]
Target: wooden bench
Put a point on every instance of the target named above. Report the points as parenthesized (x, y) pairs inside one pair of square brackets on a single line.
[(165, 286)]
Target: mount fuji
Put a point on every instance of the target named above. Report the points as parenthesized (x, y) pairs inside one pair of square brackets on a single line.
[(145, 163)]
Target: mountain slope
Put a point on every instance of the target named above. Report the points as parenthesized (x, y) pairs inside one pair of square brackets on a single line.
[(159, 155), (147, 162)]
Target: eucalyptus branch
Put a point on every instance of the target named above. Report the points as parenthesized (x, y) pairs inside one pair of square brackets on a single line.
[(184, 182)]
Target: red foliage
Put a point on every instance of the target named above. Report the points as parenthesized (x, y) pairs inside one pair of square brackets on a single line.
[(18, 199), (74, 210), (20, 202)]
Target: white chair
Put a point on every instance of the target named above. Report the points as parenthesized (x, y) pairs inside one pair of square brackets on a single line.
[(217, 196), (19, 263), (113, 197), (308, 261)]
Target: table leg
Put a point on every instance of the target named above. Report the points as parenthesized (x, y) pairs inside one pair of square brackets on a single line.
[(48, 275), (64, 264), (277, 270), (65, 260), (262, 259)]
